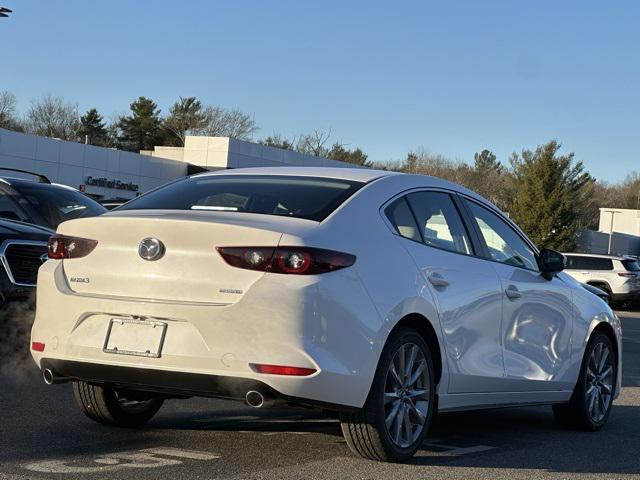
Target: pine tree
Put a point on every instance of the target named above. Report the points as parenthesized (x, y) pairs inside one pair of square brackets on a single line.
[(355, 157), (486, 161), (92, 126), (548, 195), (142, 130), (278, 141), (185, 116)]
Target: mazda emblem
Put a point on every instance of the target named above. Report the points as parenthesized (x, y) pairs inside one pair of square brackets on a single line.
[(151, 249)]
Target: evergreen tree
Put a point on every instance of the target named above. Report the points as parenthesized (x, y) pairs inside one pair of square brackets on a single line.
[(185, 116), (355, 157), (92, 126), (142, 130), (278, 141), (486, 161), (548, 195)]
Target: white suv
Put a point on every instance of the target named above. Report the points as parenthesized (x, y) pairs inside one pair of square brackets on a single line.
[(618, 276)]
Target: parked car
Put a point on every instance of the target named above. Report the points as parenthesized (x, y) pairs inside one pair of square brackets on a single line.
[(597, 292), (616, 275), (23, 248), (380, 295), (41, 202)]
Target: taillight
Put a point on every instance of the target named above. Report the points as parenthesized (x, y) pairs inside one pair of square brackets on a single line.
[(627, 275), (37, 346), (294, 260), (62, 246)]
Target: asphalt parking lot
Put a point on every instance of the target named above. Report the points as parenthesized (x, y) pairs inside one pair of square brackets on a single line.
[(44, 435)]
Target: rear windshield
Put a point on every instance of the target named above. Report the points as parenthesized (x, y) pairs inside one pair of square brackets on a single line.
[(312, 198), (631, 265)]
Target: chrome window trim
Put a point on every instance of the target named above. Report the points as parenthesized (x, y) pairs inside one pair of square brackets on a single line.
[(5, 263)]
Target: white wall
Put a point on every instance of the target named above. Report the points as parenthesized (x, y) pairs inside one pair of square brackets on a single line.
[(70, 163), (223, 152), (627, 221)]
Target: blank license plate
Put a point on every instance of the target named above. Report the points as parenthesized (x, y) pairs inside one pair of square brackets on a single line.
[(142, 338)]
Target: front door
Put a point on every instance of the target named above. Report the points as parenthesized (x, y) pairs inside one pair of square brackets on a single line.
[(537, 314)]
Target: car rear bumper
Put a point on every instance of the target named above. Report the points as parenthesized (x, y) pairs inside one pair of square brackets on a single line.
[(172, 384), (325, 323)]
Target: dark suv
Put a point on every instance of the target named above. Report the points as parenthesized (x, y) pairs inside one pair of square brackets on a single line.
[(30, 212), (23, 248)]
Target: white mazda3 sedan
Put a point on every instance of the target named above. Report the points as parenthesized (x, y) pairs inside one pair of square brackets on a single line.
[(378, 295)]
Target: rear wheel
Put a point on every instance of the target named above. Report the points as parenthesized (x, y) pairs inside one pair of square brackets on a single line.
[(396, 416), (592, 398), (114, 406)]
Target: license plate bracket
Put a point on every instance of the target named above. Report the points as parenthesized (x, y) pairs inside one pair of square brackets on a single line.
[(136, 337)]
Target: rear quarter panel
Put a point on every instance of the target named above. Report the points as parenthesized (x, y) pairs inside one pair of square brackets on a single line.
[(392, 282)]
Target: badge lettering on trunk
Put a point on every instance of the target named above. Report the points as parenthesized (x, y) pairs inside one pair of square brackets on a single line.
[(151, 249)]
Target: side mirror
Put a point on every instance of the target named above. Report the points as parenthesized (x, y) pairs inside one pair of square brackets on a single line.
[(550, 262)]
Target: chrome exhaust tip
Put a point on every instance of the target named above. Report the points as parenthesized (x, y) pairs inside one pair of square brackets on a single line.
[(51, 378), (256, 399)]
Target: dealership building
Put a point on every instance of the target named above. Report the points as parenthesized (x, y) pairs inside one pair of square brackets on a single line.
[(107, 173)]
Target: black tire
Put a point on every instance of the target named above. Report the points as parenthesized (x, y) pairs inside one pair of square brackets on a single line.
[(365, 430), (114, 407), (576, 414)]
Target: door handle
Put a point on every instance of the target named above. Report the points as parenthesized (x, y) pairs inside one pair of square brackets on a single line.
[(512, 292), (437, 280)]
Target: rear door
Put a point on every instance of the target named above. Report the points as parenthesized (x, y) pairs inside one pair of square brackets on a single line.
[(466, 289), (537, 313)]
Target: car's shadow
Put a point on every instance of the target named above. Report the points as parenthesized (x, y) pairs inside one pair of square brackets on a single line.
[(514, 438)]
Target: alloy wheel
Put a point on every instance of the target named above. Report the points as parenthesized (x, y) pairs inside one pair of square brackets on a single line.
[(406, 395), (599, 382)]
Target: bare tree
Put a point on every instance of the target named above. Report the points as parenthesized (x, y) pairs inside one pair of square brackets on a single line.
[(51, 116), (315, 143), (8, 114), (220, 122)]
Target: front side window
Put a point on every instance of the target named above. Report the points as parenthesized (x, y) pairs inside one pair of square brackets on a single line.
[(504, 244), (439, 222), (576, 263), (312, 198)]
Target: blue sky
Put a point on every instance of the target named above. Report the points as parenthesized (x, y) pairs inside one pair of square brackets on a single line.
[(452, 77)]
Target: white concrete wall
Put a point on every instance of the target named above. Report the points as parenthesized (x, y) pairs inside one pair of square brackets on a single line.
[(70, 163), (223, 152), (627, 221)]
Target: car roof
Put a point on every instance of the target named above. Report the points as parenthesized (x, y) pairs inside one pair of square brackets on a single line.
[(20, 182), (599, 255), (342, 173)]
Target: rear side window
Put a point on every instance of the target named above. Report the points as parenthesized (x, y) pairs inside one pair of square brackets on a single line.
[(631, 265), (588, 263), (402, 219), (312, 198), (439, 222)]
